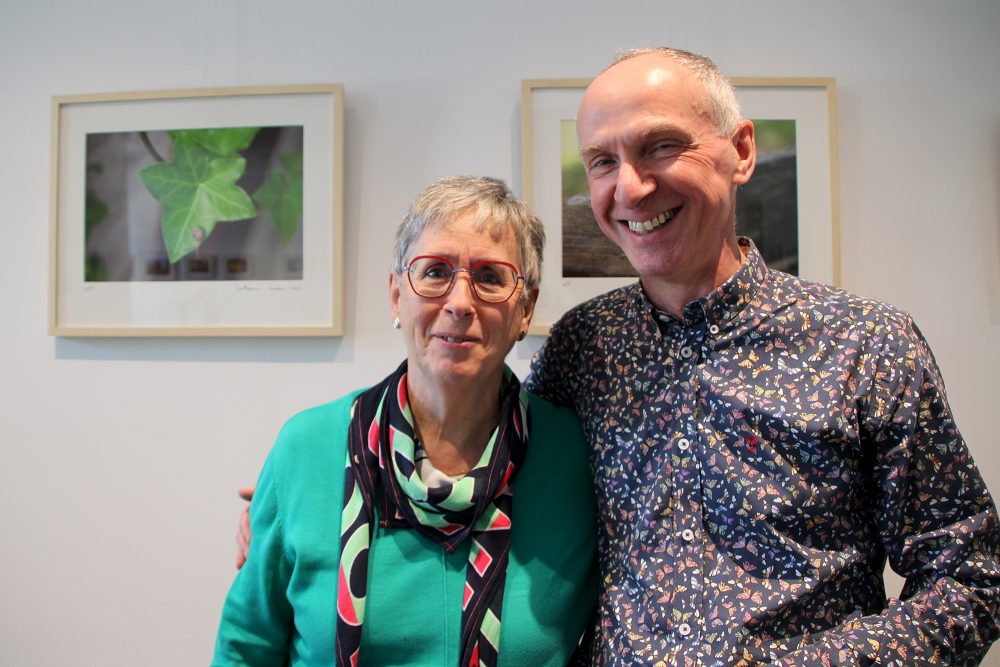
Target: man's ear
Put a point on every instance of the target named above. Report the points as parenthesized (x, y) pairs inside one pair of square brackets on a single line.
[(746, 151)]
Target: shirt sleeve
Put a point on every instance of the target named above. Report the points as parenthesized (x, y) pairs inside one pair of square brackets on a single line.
[(555, 367), (257, 618), (938, 525)]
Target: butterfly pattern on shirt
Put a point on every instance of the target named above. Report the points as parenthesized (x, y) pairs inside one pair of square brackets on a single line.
[(756, 460)]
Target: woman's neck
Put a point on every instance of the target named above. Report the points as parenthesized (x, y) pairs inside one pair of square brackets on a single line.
[(454, 423)]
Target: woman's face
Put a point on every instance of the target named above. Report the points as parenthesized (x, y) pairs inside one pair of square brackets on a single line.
[(457, 337)]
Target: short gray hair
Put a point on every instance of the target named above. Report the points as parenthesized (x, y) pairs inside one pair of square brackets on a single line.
[(495, 208), (725, 106)]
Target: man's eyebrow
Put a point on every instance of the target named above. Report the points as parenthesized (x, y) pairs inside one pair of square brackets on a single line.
[(662, 128), (644, 136)]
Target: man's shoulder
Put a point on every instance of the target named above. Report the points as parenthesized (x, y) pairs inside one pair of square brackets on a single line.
[(605, 309), (832, 303)]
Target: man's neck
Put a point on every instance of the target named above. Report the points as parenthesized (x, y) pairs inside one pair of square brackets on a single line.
[(671, 296)]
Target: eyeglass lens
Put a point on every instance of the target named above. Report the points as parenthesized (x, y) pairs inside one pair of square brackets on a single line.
[(433, 276)]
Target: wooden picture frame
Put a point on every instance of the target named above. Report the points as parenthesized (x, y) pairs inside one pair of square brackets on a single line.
[(202, 212), (547, 104)]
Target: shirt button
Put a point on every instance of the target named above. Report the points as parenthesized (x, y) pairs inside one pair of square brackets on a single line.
[(684, 629), (683, 444), (686, 352), (714, 329), (687, 534)]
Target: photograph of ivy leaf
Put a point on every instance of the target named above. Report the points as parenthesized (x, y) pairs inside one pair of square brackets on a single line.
[(201, 204)]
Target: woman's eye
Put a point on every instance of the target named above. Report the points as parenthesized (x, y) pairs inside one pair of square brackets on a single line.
[(436, 271), (488, 277)]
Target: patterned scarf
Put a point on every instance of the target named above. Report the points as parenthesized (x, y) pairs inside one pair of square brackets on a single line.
[(381, 468)]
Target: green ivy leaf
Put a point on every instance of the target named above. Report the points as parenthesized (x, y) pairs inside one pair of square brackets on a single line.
[(94, 212), (197, 190), (95, 270), (282, 196), (223, 141)]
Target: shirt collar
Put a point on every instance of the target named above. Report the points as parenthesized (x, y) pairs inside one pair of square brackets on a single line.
[(723, 304)]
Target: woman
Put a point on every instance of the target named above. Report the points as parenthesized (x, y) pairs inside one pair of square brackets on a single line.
[(442, 516)]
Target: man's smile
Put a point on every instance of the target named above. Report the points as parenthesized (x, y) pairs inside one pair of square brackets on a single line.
[(655, 222)]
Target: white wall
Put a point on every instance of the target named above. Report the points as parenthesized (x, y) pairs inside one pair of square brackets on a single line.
[(120, 459)]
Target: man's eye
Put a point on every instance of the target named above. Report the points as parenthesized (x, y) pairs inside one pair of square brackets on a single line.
[(666, 147), (600, 164)]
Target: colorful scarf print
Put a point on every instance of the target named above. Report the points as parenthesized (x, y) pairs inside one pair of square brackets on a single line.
[(381, 456)]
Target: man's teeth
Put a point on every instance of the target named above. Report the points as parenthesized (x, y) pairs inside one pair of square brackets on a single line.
[(651, 224)]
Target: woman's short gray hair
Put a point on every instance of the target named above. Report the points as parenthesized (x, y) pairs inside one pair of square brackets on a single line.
[(495, 209), (725, 106)]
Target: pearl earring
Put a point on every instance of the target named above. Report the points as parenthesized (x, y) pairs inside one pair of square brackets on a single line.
[(395, 323)]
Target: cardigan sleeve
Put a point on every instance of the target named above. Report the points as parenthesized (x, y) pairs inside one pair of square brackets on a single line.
[(257, 618)]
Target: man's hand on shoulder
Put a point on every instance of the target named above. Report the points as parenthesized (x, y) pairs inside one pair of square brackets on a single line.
[(243, 534)]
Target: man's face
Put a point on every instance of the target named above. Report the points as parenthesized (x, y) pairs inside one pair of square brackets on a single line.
[(662, 181)]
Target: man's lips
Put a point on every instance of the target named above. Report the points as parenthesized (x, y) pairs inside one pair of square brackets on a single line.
[(657, 221)]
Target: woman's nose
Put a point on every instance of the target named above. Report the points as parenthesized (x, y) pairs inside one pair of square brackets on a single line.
[(461, 297)]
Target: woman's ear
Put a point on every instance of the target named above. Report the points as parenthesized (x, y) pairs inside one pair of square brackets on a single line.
[(529, 308), (394, 294)]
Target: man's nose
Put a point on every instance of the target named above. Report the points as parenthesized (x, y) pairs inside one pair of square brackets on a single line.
[(633, 185)]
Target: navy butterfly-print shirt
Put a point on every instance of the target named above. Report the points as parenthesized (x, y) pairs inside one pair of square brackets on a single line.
[(756, 462)]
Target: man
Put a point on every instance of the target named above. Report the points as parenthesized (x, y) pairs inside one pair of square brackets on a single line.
[(759, 443)]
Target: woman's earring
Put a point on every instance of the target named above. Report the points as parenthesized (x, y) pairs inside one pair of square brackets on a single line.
[(395, 323)]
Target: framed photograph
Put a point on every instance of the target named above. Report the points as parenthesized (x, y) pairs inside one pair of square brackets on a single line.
[(789, 207), (215, 212)]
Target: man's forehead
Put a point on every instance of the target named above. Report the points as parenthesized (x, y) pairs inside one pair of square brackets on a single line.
[(650, 69), (640, 130), (655, 95)]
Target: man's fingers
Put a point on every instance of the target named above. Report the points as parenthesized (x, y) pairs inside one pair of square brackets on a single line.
[(241, 550), (243, 534)]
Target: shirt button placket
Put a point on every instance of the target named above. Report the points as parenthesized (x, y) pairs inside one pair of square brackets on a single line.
[(689, 577)]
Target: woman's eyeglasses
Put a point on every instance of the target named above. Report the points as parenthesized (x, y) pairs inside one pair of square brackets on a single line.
[(432, 276)]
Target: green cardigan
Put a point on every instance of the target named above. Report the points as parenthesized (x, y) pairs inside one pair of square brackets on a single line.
[(281, 608)]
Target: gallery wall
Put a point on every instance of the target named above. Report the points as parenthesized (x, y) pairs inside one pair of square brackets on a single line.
[(120, 458)]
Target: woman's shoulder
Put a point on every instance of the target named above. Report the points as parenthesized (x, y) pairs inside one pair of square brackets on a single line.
[(549, 412), (322, 416), (555, 429), (315, 431)]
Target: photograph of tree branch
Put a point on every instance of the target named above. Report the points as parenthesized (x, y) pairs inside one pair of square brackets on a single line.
[(766, 207), (194, 204)]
